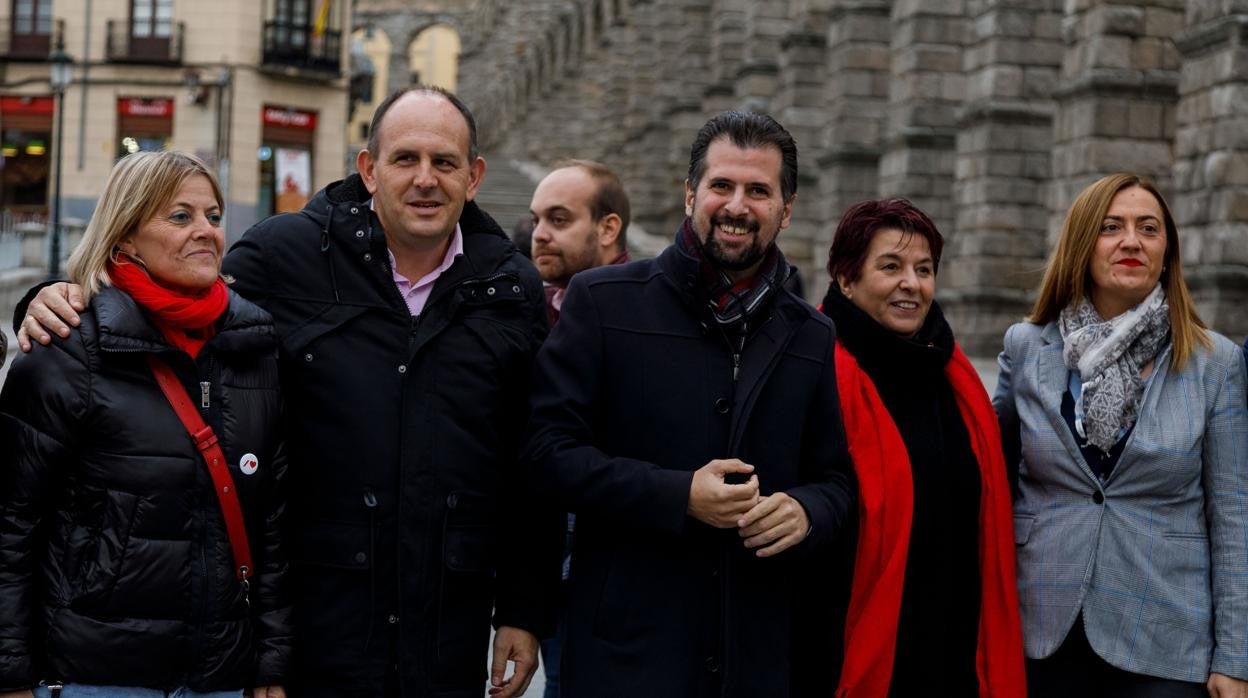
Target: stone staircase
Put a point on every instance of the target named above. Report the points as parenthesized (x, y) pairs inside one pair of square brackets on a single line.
[(507, 190)]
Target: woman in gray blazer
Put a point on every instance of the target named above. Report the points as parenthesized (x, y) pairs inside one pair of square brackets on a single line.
[(1126, 420)]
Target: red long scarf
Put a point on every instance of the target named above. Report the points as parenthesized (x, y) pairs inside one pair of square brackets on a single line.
[(185, 320), (885, 510)]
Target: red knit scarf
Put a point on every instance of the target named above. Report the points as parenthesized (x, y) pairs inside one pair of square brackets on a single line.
[(185, 320), (885, 509)]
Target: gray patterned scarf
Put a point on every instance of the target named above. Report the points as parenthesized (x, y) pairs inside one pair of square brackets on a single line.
[(1108, 356)]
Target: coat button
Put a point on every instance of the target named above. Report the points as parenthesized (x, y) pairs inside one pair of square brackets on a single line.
[(403, 368), (490, 291), (1098, 497), (712, 664), (359, 233), (392, 619), (368, 256), (370, 499), (361, 558), (723, 405), (307, 357), (452, 500), (354, 210)]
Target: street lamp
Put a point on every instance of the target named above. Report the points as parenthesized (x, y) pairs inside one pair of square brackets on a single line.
[(60, 72)]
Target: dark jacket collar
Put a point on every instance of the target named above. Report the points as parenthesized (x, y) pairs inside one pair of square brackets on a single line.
[(877, 348), (123, 326), (684, 272)]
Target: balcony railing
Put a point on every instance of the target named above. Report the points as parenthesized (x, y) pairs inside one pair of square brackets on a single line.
[(122, 47), (20, 46), (297, 45)]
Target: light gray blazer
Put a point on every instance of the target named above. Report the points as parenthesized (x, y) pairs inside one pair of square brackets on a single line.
[(1157, 556)]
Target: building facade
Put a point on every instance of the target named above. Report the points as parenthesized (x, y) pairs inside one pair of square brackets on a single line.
[(257, 89)]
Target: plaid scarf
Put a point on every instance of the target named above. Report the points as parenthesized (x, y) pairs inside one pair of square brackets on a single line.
[(734, 302)]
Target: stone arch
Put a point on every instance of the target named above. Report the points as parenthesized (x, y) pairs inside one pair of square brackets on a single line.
[(433, 56)]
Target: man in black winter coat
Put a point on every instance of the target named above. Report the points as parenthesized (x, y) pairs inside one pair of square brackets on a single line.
[(408, 323), (685, 409)]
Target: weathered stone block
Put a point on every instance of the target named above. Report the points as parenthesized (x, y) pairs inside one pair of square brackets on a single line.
[(952, 89), (1145, 120), (1191, 208), (910, 8), (1033, 138), (1229, 99), (1110, 52), (998, 81), (1229, 205), (1025, 52), (1231, 134), (1162, 22), (1005, 164), (1192, 140), (1145, 157), (1048, 25), (1122, 20), (1015, 23), (930, 29), (1039, 83), (1038, 166), (1232, 169), (1183, 176), (1150, 53), (864, 56), (925, 57)]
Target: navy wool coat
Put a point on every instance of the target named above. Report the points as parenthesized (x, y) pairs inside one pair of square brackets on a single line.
[(634, 392)]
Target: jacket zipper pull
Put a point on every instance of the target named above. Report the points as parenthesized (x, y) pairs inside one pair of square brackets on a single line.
[(203, 393), (736, 366)]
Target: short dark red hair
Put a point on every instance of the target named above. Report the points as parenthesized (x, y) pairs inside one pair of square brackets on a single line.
[(863, 220)]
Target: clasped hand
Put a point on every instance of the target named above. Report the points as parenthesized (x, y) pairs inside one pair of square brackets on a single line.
[(769, 524)]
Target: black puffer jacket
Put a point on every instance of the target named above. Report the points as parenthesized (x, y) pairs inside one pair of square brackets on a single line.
[(115, 565), (408, 514)]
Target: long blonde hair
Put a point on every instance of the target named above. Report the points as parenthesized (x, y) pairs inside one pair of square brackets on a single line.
[(137, 188), (1067, 277)]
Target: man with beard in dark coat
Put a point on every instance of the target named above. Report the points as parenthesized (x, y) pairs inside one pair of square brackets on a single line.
[(685, 409), (408, 323)]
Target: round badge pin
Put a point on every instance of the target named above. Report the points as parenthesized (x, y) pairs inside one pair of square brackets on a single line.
[(248, 464)]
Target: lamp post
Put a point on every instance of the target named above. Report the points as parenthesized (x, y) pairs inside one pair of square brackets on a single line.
[(60, 69)]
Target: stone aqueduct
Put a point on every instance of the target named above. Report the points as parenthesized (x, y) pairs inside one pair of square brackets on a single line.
[(989, 114)]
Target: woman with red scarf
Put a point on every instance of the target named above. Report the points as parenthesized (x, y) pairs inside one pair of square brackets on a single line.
[(932, 606), (140, 466)]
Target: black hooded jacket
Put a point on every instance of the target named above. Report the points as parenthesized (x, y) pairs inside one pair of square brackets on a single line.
[(409, 521), (115, 565)]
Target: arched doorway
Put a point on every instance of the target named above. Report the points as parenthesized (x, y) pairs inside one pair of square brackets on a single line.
[(433, 57)]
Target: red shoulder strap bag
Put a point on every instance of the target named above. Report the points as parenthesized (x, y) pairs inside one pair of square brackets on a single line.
[(206, 443)]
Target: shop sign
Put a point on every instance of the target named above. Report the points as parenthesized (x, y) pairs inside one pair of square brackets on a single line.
[(136, 106), (290, 118)]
